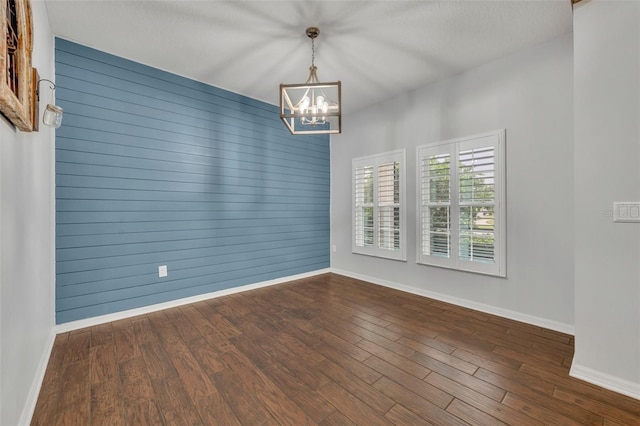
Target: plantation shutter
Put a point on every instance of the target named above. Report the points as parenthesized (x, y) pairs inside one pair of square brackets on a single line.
[(435, 195), (378, 205), (461, 201), (389, 206), (476, 177), (363, 232)]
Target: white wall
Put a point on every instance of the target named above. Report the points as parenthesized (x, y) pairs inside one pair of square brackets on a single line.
[(530, 94), (27, 231), (607, 169)]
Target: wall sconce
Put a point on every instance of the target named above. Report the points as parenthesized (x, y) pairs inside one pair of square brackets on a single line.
[(52, 116)]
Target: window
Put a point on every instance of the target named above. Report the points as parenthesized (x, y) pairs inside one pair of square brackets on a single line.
[(461, 197), (378, 205)]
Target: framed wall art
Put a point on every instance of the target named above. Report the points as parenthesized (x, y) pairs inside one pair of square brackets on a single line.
[(17, 84)]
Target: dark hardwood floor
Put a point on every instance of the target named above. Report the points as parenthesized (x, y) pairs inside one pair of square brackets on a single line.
[(323, 350)]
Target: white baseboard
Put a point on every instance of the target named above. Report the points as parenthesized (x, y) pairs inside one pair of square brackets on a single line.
[(505, 313), (606, 381), (102, 319), (36, 384)]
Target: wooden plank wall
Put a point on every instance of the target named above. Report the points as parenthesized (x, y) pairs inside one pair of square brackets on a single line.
[(156, 169)]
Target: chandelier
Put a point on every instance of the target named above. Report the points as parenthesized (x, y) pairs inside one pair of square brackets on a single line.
[(312, 107)]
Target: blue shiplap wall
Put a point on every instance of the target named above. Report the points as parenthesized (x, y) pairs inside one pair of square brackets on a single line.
[(156, 169)]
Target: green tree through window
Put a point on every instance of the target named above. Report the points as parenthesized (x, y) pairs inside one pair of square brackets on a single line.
[(458, 189)]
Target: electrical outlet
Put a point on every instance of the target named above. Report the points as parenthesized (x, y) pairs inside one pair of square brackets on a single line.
[(334, 248), (626, 211), (162, 271)]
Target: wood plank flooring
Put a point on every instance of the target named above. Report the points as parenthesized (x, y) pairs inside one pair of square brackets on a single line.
[(326, 350)]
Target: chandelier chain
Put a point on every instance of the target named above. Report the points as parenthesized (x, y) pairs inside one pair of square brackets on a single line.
[(313, 52)]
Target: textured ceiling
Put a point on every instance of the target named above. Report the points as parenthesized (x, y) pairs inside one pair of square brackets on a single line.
[(376, 48)]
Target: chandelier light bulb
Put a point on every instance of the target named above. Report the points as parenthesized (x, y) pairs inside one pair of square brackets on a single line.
[(305, 103)]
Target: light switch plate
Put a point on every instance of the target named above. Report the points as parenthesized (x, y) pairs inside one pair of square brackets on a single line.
[(626, 211)]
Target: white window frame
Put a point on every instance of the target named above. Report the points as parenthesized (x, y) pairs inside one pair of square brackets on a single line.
[(453, 147), (375, 161)]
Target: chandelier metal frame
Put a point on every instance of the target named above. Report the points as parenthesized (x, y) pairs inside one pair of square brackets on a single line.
[(312, 107)]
